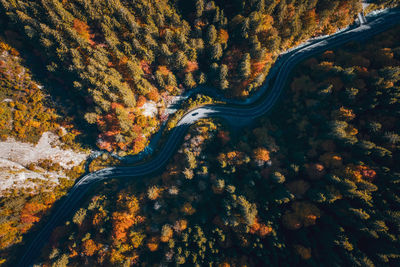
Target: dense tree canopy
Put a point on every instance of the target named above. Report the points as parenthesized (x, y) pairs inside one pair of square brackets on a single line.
[(324, 193), (124, 54)]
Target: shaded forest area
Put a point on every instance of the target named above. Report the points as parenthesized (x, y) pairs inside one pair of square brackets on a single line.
[(315, 184), (380, 4), (108, 59), (384, 3), (25, 112)]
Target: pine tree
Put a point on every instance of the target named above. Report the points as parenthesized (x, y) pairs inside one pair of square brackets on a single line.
[(211, 34), (245, 67), (199, 8), (216, 52)]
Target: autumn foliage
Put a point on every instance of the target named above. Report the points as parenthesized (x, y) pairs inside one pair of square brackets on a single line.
[(123, 129), (122, 221), (89, 247), (83, 30), (261, 154)]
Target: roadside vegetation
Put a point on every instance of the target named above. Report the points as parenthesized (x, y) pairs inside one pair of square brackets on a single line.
[(192, 103), (315, 183)]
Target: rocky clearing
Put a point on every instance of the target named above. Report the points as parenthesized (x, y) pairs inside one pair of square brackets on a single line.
[(16, 156)]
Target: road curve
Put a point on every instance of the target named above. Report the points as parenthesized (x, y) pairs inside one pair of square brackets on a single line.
[(231, 112)]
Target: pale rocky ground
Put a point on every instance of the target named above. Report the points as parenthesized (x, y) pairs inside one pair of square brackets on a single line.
[(16, 156), (149, 109)]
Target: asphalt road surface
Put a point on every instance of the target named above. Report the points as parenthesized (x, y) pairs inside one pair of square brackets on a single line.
[(232, 112)]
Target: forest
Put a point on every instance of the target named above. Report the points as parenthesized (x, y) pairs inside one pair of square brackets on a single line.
[(325, 193), (313, 183), (117, 58), (87, 71)]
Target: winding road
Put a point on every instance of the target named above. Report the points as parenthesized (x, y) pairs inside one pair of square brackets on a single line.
[(232, 112)]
